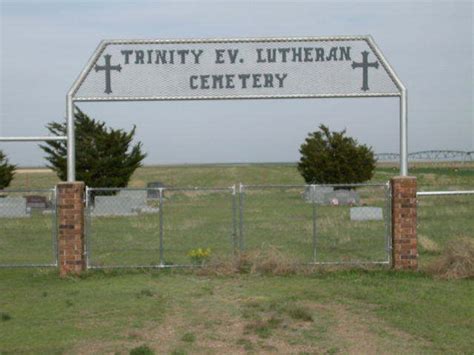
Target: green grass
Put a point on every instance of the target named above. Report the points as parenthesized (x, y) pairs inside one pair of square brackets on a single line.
[(182, 313), (111, 312)]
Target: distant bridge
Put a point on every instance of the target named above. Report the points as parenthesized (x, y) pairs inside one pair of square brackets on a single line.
[(429, 155)]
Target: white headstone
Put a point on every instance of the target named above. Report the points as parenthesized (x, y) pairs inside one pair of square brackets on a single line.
[(13, 207), (366, 214)]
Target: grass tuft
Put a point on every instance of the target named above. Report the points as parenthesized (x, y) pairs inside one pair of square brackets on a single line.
[(188, 337), (247, 344), (262, 327), (145, 293), (428, 245), (142, 350), (456, 261), (5, 316), (270, 261), (299, 313)]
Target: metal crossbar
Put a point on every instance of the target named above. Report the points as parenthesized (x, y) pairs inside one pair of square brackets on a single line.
[(444, 193)]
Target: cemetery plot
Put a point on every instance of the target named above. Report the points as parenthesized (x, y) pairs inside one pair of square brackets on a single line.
[(28, 228)]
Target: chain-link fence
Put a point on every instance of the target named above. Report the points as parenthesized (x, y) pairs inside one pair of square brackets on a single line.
[(319, 223), (443, 217), (166, 227), (28, 232)]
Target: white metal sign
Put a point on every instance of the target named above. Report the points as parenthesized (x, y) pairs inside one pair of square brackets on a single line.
[(241, 68), (139, 70)]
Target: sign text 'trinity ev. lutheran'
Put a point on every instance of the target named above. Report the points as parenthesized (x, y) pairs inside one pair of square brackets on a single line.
[(221, 69)]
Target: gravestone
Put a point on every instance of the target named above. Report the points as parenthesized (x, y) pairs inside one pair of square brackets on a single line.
[(342, 198), (154, 194), (317, 194), (366, 214), (113, 206), (125, 203), (36, 201), (14, 207)]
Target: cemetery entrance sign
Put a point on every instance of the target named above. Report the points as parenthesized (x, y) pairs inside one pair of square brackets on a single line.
[(271, 68)]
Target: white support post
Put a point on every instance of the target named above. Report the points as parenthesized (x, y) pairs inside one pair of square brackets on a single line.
[(403, 134), (71, 144)]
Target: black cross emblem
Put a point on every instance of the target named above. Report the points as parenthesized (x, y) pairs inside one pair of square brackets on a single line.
[(365, 65), (107, 67)]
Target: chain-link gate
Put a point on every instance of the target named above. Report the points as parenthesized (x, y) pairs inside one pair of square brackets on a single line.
[(319, 224), (166, 227), (159, 227), (28, 232)]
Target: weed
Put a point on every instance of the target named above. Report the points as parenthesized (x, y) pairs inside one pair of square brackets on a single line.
[(199, 256), (69, 303), (142, 350), (188, 337)]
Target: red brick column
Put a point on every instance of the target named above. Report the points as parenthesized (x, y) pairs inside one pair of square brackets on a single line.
[(71, 243), (404, 243)]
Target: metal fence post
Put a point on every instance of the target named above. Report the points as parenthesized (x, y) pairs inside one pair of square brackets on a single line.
[(234, 218), (313, 200), (55, 225), (388, 221), (87, 221), (162, 262), (241, 217)]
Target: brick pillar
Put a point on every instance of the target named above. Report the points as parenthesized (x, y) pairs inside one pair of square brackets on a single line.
[(404, 243), (71, 243)]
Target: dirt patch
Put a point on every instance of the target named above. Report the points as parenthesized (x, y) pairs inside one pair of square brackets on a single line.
[(227, 324)]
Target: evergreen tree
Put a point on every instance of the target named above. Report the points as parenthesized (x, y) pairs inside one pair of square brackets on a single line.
[(6, 171), (332, 158), (104, 156)]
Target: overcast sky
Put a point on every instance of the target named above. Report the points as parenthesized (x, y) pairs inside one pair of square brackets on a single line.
[(45, 45)]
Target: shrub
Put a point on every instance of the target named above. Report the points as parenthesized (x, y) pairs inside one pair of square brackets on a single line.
[(6, 171), (105, 157), (332, 158)]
